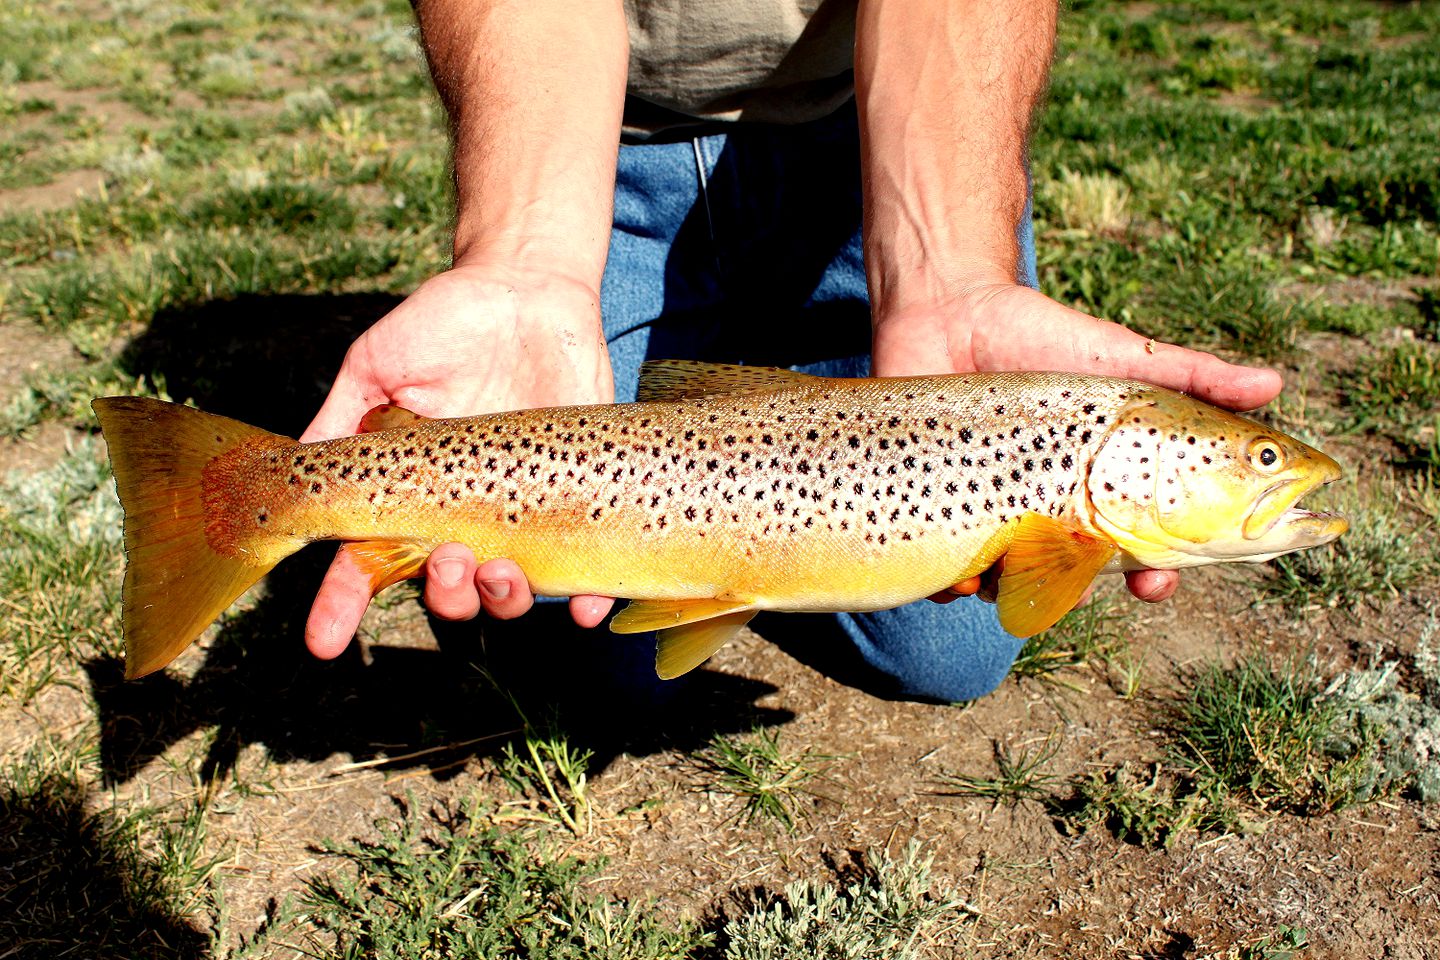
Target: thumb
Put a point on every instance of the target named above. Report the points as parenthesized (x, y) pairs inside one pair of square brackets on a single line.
[(340, 414)]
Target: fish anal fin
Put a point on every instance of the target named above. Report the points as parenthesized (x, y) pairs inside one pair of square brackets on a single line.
[(386, 562), (643, 616), (678, 650), (1047, 568), (686, 379), (387, 416)]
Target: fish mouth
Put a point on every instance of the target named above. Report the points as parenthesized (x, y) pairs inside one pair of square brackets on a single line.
[(1278, 517)]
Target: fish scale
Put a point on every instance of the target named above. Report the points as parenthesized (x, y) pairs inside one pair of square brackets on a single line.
[(724, 491), (767, 489)]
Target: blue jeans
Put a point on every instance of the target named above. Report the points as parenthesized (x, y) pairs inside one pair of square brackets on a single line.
[(745, 248)]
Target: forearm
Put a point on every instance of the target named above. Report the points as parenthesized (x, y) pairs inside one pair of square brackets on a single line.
[(946, 92), (534, 91)]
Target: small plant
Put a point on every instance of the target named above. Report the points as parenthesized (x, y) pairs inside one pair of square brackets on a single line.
[(886, 914), (1286, 943), (769, 780), (1264, 732), (456, 885), (551, 773), (1020, 776), (1147, 806)]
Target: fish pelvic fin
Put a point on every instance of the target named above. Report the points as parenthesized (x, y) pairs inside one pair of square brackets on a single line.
[(687, 379), (1047, 569), (678, 650), (643, 616), (176, 582)]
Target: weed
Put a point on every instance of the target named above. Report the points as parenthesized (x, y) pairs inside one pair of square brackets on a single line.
[(769, 780), (886, 914), (1020, 776), (1264, 732), (461, 887)]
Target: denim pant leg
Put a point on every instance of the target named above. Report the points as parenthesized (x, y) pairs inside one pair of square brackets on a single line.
[(684, 280)]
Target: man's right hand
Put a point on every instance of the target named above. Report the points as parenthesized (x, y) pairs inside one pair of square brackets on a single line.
[(480, 338)]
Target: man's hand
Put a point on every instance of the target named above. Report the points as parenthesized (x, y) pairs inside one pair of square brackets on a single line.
[(1005, 326), (477, 339)]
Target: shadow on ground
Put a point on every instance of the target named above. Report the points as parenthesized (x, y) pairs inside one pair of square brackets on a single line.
[(268, 360), (73, 883)]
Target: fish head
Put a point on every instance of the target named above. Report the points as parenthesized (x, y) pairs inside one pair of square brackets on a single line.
[(1178, 483)]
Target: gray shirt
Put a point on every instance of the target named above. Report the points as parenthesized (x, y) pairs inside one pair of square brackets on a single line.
[(696, 63)]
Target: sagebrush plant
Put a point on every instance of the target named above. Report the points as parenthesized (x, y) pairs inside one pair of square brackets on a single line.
[(887, 913), (450, 882), (773, 783)]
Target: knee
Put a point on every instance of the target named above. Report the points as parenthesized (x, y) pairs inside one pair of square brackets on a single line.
[(946, 654)]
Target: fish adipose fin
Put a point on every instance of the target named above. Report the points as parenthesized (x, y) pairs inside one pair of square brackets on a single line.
[(1047, 569), (686, 379), (679, 650), (176, 583), (387, 416), (386, 562)]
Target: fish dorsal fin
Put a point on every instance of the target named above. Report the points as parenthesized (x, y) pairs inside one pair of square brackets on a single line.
[(642, 616), (678, 650), (1047, 569), (387, 416), (386, 562), (687, 379)]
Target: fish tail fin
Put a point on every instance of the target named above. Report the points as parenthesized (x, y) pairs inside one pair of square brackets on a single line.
[(176, 582)]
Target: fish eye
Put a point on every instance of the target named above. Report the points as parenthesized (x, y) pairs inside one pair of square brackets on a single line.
[(1266, 456)]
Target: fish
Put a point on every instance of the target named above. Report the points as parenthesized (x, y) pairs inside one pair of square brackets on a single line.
[(721, 492)]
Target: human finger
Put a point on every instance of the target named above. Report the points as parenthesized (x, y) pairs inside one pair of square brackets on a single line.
[(340, 602), (504, 591), (1152, 586), (339, 415), (451, 592), (590, 611)]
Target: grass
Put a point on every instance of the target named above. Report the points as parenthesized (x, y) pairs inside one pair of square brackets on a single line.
[(1378, 559), (59, 557), (459, 886), (1020, 776), (1264, 732), (772, 783), (1090, 634), (106, 880), (1234, 176)]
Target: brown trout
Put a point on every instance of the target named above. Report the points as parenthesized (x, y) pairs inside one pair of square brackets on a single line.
[(722, 492)]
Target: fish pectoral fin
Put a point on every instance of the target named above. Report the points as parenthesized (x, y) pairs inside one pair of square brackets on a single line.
[(387, 416), (1047, 569), (643, 616), (678, 650), (685, 379), (386, 562)]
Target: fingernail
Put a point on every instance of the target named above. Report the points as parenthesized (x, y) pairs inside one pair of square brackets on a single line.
[(450, 571), (496, 589)]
